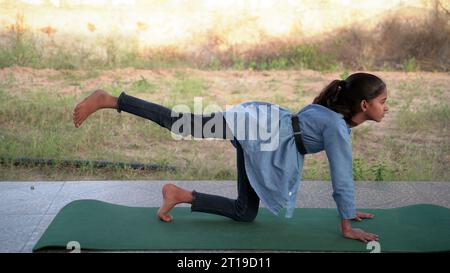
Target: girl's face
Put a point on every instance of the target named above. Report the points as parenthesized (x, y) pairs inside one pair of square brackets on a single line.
[(377, 107)]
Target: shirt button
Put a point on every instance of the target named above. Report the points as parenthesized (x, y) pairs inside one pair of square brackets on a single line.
[(290, 193)]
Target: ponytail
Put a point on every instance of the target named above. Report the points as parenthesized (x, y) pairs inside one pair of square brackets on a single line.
[(345, 96)]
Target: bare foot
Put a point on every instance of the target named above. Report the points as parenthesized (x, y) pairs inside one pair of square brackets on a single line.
[(97, 100), (172, 195)]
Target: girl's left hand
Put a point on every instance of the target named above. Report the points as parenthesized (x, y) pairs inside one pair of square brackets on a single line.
[(362, 215)]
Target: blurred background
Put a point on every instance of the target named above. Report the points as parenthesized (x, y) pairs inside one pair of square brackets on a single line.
[(213, 34)]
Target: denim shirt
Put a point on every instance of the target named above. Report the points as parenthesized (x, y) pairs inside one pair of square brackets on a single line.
[(274, 165)]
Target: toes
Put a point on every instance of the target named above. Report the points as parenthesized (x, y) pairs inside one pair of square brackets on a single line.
[(165, 217), (77, 122)]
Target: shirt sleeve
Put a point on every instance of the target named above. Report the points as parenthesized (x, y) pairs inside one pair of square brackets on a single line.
[(339, 152)]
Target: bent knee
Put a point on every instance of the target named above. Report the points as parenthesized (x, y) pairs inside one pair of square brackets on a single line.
[(247, 216)]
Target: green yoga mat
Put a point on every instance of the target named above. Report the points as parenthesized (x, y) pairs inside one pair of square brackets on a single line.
[(97, 225)]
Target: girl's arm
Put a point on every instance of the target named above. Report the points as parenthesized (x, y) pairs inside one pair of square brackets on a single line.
[(339, 152)]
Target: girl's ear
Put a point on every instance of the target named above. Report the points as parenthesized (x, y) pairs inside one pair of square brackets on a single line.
[(364, 104)]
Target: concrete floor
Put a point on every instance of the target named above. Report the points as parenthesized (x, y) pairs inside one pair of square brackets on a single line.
[(27, 208)]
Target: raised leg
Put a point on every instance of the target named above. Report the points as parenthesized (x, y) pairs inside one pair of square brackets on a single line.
[(97, 100)]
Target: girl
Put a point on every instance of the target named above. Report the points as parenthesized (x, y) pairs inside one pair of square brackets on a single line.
[(272, 175)]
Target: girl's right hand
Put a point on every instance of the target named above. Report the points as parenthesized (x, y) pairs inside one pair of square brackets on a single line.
[(359, 234)]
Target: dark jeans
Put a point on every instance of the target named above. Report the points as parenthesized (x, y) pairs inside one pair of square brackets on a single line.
[(245, 207)]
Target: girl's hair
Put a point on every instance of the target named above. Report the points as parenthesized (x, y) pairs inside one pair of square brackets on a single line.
[(345, 96)]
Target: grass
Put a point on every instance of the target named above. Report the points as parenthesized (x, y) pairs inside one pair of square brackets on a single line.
[(431, 117), (143, 85), (395, 44), (186, 87), (36, 108)]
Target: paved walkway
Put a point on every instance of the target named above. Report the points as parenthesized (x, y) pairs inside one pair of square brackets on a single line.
[(27, 208)]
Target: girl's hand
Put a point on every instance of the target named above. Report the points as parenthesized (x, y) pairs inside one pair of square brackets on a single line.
[(359, 234), (356, 233), (362, 215)]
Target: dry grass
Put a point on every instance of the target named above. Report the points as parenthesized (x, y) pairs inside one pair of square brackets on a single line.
[(398, 42), (35, 121)]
